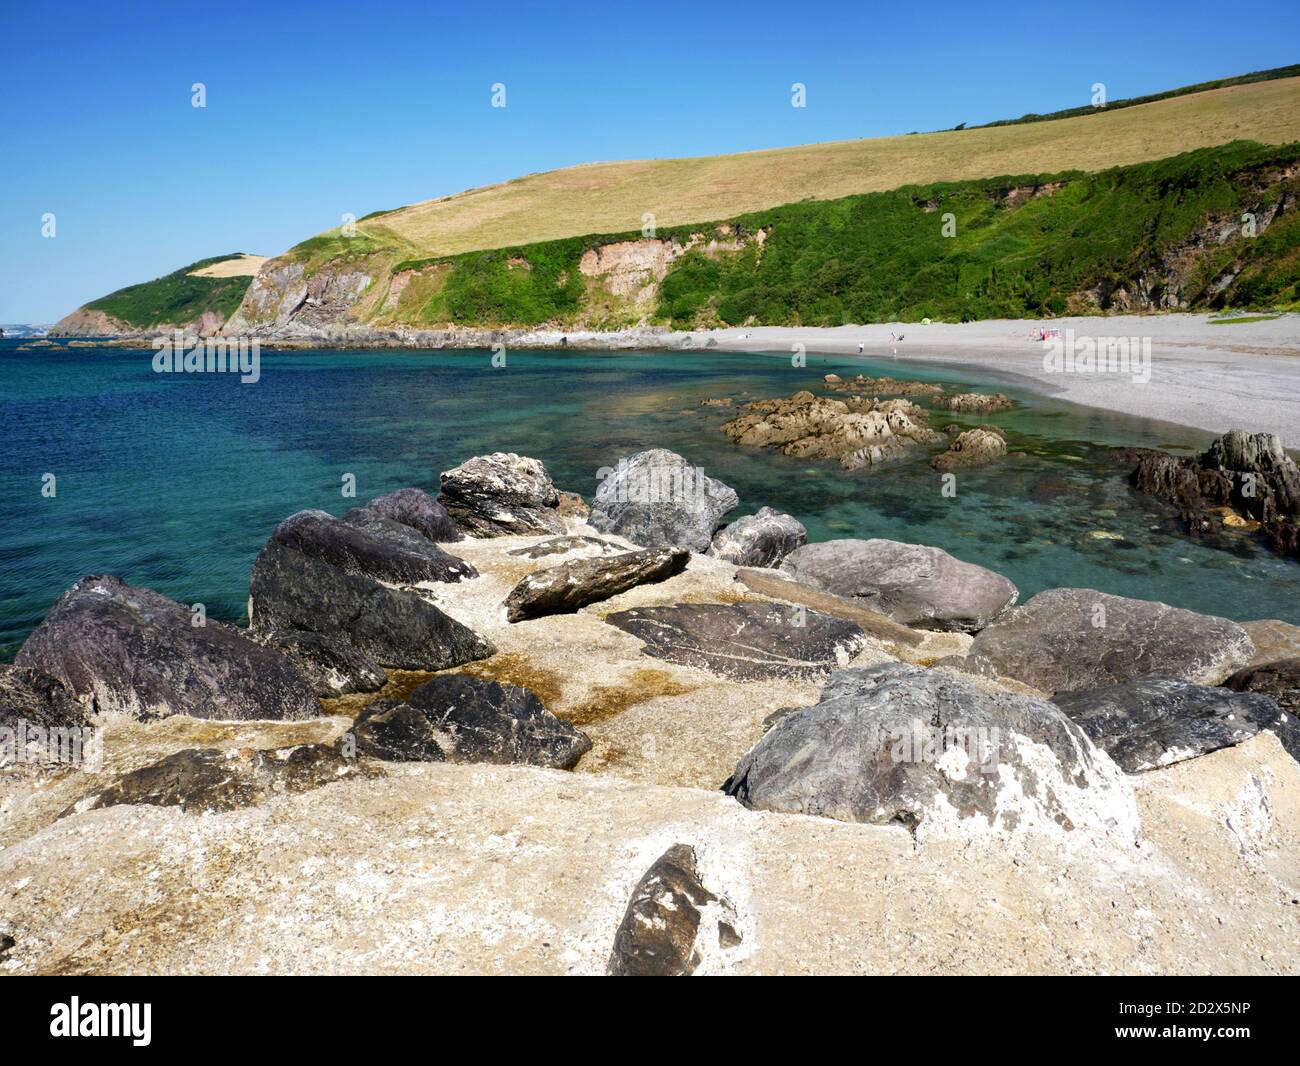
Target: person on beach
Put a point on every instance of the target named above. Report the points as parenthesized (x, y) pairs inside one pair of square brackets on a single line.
[(861, 347)]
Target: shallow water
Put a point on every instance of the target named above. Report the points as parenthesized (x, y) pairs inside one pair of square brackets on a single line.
[(174, 481)]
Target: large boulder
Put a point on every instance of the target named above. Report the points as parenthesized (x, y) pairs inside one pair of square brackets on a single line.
[(744, 641), (1153, 721), (419, 510), (458, 718), (332, 667), (673, 924), (567, 587), (657, 499), (762, 539), (129, 650), (1280, 682), (395, 627), (501, 494), (1063, 640), (932, 752), (365, 542), (40, 723), (915, 585)]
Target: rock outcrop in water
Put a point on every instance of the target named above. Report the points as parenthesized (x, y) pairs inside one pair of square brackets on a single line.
[(501, 494), (976, 403), (972, 447), (913, 584), (657, 499), (127, 650)]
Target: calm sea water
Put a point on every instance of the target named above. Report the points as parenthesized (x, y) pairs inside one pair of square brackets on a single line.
[(175, 481)]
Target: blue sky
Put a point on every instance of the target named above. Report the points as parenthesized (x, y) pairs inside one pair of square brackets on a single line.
[(318, 109)]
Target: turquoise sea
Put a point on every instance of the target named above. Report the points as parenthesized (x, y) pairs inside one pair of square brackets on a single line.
[(174, 481)]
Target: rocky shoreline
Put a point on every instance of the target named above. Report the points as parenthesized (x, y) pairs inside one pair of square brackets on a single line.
[(505, 648)]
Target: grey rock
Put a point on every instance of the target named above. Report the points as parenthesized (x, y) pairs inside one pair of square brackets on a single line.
[(1274, 640), (130, 650), (211, 779), (1155, 721), (332, 667), (662, 931), (30, 696), (657, 499), (744, 641), (458, 718), (398, 628), (1280, 681), (927, 750), (563, 545), (419, 510), (367, 543), (915, 585), (1063, 640), (501, 494), (762, 539), (569, 586)]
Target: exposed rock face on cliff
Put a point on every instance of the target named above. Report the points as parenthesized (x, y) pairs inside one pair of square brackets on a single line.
[(857, 431), (1249, 473)]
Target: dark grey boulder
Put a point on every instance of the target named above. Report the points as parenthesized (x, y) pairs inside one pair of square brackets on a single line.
[(744, 641), (567, 587), (501, 494), (923, 749), (1280, 681), (1063, 640), (129, 650), (914, 584), (419, 510), (1155, 721), (397, 628), (212, 779), (665, 931), (369, 544), (458, 718), (762, 539), (30, 696), (657, 499), (332, 667)]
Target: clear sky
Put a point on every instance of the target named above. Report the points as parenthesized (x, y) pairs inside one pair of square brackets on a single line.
[(316, 109)]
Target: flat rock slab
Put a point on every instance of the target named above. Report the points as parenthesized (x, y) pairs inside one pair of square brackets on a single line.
[(914, 584), (761, 539), (1063, 640), (394, 627), (672, 921), (458, 718), (657, 499), (1155, 721), (569, 586), (129, 650), (563, 545), (365, 542), (744, 641), (501, 494), (1274, 640), (930, 751), (212, 779), (873, 623), (1280, 681), (419, 510)]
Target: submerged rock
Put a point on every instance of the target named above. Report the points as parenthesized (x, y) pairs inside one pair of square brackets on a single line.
[(915, 585), (332, 667), (419, 510), (976, 403), (657, 499), (211, 779), (501, 494), (932, 752), (1064, 640), (672, 922), (1154, 721), (569, 586), (1280, 681), (129, 650), (290, 590), (762, 539), (744, 641), (367, 543), (458, 718), (973, 447)]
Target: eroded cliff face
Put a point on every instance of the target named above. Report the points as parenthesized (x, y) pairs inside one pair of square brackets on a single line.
[(84, 322), (285, 299)]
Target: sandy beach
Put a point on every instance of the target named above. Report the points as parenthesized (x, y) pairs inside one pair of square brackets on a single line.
[(1212, 377)]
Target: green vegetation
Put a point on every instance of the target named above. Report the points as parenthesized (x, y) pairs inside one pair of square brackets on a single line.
[(1114, 105), (1238, 319), (175, 298)]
